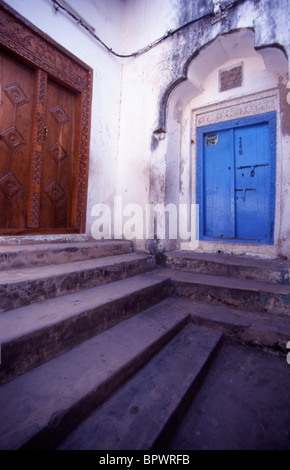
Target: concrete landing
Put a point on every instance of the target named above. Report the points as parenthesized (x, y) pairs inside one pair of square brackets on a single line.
[(242, 405), (39, 408), (141, 413)]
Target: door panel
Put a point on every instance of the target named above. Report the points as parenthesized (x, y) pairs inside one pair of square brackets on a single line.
[(218, 170), (252, 181), (16, 111), (59, 158)]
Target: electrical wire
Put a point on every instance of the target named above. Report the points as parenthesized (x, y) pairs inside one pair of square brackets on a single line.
[(153, 44)]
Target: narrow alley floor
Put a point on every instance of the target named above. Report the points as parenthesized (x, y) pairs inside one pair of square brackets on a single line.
[(243, 404)]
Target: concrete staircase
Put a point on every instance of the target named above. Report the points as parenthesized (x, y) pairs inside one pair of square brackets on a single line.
[(102, 349)]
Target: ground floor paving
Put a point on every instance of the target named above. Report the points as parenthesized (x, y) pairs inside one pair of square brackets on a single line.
[(243, 404)]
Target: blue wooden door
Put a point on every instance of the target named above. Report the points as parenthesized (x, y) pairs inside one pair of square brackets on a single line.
[(252, 178), (218, 185), (236, 191)]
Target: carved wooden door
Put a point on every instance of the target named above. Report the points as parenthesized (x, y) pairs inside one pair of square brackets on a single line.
[(38, 151), (45, 107), (58, 182)]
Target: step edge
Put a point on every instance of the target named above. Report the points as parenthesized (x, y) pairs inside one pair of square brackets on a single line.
[(227, 260), (183, 277)]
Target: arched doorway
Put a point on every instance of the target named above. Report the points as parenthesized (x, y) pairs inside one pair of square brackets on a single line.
[(227, 115)]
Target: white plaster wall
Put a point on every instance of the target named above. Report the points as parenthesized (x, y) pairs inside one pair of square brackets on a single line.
[(145, 21)]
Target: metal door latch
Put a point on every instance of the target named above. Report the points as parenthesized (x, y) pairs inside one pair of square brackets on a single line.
[(253, 168), (244, 192)]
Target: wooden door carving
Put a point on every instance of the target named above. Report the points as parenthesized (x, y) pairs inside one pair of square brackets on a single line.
[(44, 131)]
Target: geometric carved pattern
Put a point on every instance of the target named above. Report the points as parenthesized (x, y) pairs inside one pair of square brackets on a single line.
[(57, 153), (242, 107), (59, 115), (10, 186), (15, 94), (35, 210), (12, 138), (55, 192)]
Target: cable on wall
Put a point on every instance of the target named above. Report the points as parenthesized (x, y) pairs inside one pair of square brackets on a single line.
[(73, 14)]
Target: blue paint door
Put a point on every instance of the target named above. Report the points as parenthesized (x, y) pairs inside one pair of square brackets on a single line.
[(252, 189), (218, 185), (237, 189)]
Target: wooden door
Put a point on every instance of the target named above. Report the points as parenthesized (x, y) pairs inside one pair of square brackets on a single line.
[(45, 106), (218, 189), (58, 182), (252, 181), (236, 167), (38, 151), (16, 114)]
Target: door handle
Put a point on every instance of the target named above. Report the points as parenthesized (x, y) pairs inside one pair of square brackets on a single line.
[(45, 129)]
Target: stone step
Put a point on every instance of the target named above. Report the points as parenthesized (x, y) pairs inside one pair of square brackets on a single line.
[(144, 411), (249, 268), (41, 407), (16, 256), (271, 332), (239, 293), (36, 333), (19, 287)]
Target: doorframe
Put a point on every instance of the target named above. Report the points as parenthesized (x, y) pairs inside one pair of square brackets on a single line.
[(27, 43), (271, 120)]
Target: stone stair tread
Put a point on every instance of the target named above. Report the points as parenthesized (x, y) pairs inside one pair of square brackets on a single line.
[(58, 247), (235, 260), (134, 417), (36, 273), (25, 255), (226, 282), (25, 320), (62, 391)]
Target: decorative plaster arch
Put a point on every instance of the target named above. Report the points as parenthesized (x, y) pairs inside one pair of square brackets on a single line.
[(232, 45)]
